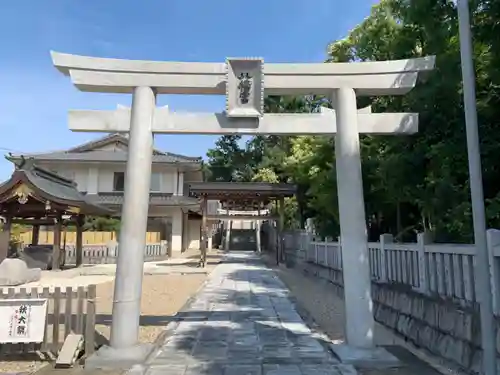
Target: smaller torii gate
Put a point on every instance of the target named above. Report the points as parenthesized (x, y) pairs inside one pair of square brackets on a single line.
[(255, 196)]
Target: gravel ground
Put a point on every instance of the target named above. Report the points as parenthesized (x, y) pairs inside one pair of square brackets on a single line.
[(325, 309), (26, 363), (162, 296)]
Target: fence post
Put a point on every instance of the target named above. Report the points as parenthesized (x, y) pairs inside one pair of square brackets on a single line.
[(297, 244), (306, 241), (163, 247), (112, 249), (384, 239), (339, 247), (328, 248), (310, 241), (315, 251), (493, 241), (90, 320), (325, 249), (423, 270)]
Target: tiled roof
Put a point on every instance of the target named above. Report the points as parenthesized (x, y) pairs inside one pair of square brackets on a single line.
[(155, 199), (87, 152), (117, 156), (241, 188), (52, 186)]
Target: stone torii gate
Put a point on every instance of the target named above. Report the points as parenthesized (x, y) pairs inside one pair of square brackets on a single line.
[(245, 82)]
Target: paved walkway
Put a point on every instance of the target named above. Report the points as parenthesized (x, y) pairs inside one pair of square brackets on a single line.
[(242, 323)]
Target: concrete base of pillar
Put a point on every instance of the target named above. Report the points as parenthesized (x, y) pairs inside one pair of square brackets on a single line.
[(376, 358), (120, 359)]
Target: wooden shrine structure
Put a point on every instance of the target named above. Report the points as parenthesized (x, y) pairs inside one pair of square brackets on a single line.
[(243, 196), (35, 196)]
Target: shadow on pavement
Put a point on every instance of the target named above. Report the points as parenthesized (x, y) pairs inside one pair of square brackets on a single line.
[(242, 322)]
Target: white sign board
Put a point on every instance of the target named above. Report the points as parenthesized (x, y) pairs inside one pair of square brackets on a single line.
[(22, 320)]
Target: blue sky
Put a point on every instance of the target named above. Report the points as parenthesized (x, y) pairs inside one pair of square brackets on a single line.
[(35, 97)]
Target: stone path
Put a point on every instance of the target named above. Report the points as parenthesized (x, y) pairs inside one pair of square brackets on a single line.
[(242, 323)]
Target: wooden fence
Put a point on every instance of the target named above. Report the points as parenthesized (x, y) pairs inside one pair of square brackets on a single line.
[(446, 270), (90, 238), (68, 310)]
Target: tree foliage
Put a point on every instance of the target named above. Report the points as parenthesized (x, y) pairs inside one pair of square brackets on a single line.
[(411, 183), (102, 224)]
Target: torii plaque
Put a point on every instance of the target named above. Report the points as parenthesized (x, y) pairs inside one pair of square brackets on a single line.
[(244, 88)]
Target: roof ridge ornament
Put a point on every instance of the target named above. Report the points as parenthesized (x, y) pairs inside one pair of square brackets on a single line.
[(21, 162), (29, 164)]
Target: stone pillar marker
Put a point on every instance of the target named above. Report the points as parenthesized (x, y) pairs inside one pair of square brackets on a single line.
[(124, 349)]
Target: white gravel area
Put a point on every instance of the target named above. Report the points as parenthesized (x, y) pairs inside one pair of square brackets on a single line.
[(103, 273)]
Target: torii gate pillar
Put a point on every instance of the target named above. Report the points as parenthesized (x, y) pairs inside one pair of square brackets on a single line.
[(129, 268), (354, 246), (124, 350)]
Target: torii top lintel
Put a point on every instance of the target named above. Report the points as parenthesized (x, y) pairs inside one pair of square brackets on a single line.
[(241, 191), (395, 77)]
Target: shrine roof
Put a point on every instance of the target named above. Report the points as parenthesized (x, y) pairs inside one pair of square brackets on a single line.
[(93, 152), (239, 190), (46, 186)]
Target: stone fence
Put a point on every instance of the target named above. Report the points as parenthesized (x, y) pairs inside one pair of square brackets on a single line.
[(108, 253), (423, 291)]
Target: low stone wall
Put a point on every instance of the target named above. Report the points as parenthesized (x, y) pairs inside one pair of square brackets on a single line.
[(443, 327)]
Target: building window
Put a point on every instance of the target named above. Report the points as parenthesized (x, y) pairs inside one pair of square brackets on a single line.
[(155, 182), (119, 181)]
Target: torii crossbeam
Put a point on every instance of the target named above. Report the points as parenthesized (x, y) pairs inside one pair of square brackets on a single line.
[(167, 122)]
